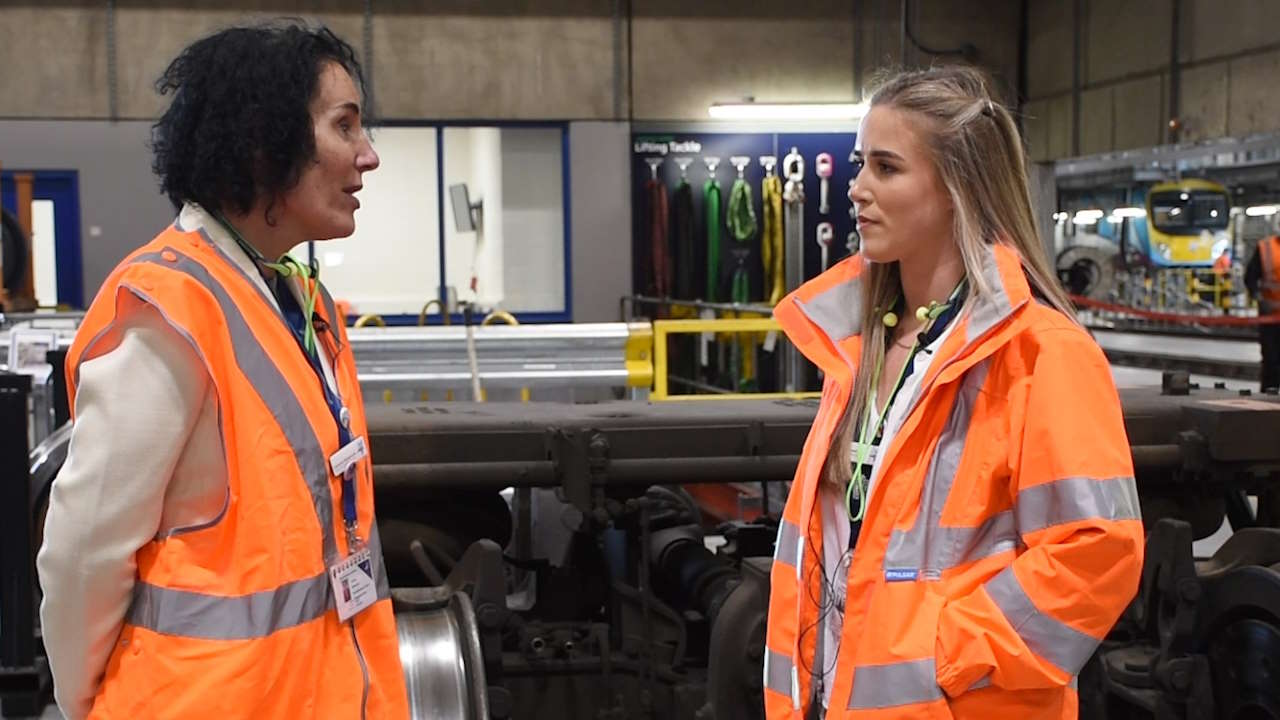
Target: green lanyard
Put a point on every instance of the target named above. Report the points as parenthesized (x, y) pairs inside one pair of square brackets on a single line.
[(859, 480), (287, 267)]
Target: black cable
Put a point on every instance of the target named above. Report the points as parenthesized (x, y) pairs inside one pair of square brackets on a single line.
[(966, 51)]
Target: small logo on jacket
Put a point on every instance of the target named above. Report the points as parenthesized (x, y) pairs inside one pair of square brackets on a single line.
[(900, 574)]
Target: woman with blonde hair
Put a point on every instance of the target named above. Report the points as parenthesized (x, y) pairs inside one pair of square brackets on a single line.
[(964, 528)]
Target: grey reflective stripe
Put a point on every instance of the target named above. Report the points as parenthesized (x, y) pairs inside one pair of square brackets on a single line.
[(215, 617), (985, 682), (241, 617), (903, 683), (788, 546), (992, 306), (1076, 498), (267, 379), (837, 310), (778, 671), (258, 284), (379, 567), (1064, 646), (928, 546)]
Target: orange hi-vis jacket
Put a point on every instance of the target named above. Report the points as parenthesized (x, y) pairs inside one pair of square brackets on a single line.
[(1003, 538), (1269, 283), (236, 619)]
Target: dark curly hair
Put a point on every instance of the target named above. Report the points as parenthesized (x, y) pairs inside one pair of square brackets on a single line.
[(239, 126)]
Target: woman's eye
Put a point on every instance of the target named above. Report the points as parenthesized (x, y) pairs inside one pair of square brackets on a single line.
[(887, 169)]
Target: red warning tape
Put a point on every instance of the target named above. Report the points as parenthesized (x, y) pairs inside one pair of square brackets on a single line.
[(1211, 320)]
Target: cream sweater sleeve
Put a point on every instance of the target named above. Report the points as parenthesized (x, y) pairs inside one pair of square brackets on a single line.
[(136, 406)]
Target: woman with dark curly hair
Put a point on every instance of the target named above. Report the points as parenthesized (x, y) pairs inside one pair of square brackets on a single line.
[(210, 547)]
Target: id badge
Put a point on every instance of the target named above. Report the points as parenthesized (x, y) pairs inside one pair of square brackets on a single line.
[(347, 456), (871, 450), (352, 580)]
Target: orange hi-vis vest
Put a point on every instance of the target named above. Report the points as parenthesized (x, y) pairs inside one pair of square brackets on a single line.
[(1269, 283), (1002, 539), (236, 619)]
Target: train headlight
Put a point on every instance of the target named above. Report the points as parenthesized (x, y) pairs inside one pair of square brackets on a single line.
[(1165, 251)]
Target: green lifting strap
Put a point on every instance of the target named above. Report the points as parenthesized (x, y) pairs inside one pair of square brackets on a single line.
[(711, 205), (742, 216), (742, 226)]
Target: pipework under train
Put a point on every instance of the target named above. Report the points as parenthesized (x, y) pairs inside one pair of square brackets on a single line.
[(546, 560)]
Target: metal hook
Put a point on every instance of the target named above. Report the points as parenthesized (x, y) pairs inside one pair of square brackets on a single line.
[(712, 162), (683, 164), (740, 162), (769, 163), (654, 163), (793, 165)]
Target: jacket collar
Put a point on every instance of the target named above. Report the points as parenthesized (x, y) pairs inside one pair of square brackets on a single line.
[(824, 314)]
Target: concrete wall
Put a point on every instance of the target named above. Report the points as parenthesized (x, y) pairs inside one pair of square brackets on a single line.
[(507, 59), (1228, 59), (600, 183)]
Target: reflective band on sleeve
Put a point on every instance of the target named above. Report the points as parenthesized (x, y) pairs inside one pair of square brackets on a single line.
[(788, 543), (1076, 498), (1064, 646), (895, 684)]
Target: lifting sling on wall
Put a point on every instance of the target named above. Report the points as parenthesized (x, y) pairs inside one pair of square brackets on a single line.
[(659, 264), (711, 213), (793, 197), (682, 242), (742, 227), (771, 247)]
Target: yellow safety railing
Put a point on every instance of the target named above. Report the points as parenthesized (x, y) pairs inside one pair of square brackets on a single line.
[(639, 355), (444, 315), (663, 328)]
